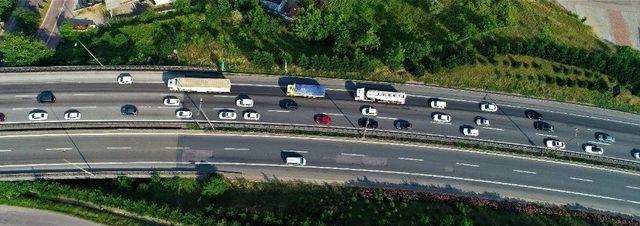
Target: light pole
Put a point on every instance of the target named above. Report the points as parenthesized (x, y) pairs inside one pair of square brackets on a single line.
[(366, 124), (205, 115), (85, 48)]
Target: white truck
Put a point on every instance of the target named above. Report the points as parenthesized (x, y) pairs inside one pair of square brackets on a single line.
[(380, 96), (200, 85)]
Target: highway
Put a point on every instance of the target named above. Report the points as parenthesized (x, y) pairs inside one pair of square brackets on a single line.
[(98, 97), (332, 159)]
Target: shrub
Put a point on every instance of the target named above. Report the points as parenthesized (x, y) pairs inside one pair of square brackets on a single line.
[(214, 187), (560, 81), (303, 61), (27, 20), (556, 68), (536, 65), (582, 83), (525, 64)]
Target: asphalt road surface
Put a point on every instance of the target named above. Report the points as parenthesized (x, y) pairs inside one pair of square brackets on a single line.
[(97, 96), (19, 216), (337, 159)]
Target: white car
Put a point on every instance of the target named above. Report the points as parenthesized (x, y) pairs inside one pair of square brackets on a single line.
[(438, 104), (369, 111), (552, 143), (482, 121), (38, 116), (592, 149), (72, 115), (229, 115), (171, 101), (468, 131), (637, 155), (185, 113), (298, 161), (125, 79), (441, 118), (245, 102), (491, 107), (252, 115)]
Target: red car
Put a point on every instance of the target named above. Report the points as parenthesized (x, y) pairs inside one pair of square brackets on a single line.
[(322, 119)]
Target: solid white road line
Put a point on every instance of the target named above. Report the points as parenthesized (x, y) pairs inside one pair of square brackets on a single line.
[(347, 154), (301, 152), (632, 187), (224, 96), (410, 159), (279, 111), (389, 118), (118, 148), (228, 109), (336, 114), (580, 179), (27, 95), (441, 123), (236, 149), (466, 164), (546, 135), (524, 171), (493, 128), (172, 164), (5, 150), (17, 109), (177, 148), (58, 149)]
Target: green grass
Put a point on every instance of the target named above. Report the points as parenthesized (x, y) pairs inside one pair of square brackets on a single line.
[(239, 202)]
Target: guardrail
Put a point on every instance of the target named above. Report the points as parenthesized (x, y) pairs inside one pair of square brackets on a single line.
[(355, 132), (108, 68)]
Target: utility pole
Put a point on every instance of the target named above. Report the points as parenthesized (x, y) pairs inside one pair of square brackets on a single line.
[(85, 48), (205, 115)]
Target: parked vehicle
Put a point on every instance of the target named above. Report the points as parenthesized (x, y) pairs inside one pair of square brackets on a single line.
[(200, 85), (380, 96), (304, 90)]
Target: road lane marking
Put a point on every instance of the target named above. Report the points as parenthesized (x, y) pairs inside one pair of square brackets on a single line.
[(5, 150), (29, 95), (224, 96), (84, 107), (410, 159), (279, 111), (600, 143), (466, 179), (236, 149), (389, 118), (580, 179), (16, 109), (84, 94), (546, 135), (177, 148), (228, 109), (441, 123), (145, 106), (466, 164), (257, 85), (301, 152), (493, 128), (336, 114), (524, 171), (632, 187), (118, 148), (348, 154), (58, 149), (171, 107)]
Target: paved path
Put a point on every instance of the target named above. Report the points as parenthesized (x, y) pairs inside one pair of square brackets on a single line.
[(18, 216), (58, 12)]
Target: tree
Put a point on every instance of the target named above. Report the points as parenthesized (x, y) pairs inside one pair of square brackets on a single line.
[(5, 8), (20, 50), (394, 57), (303, 61), (27, 20), (310, 24), (182, 6), (214, 187)]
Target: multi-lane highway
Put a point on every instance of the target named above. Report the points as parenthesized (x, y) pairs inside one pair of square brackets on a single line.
[(98, 97), (328, 159)]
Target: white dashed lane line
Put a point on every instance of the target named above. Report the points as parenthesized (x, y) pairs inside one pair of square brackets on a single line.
[(389, 118), (177, 148), (336, 114), (348, 154), (524, 171), (632, 187), (493, 128), (467, 164), (236, 149), (546, 135), (84, 94), (296, 151), (410, 159), (279, 111), (5, 150), (118, 148), (58, 149), (580, 179)]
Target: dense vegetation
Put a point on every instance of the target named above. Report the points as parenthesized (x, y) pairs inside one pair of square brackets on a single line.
[(27, 20), (6, 6), (222, 202), (22, 50)]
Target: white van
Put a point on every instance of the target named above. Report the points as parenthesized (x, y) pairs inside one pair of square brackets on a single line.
[(299, 161)]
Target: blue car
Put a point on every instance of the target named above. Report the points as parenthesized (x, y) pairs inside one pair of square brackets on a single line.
[(605, 138)]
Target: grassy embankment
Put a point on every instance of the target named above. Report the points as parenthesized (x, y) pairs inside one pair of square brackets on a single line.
[(378, 44), (217, 201)]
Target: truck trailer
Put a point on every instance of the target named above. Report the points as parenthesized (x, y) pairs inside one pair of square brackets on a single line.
[(380, 96), (200, 85), (303, 90)]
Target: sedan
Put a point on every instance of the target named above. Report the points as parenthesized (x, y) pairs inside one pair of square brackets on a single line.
[(544, 126), (38, 116), (470, 131), (369, 111), (251, 115), (289, 104), (72, 115), (125, 79), (438, 104), (227, 114), (605, 138), (171, 101), (533, 114), (439, 117), (553, 143), (129, 109), (322, 119), (368, 123), (481, 121), (46, 97), (402, 124), (184, 113), (490, 107), (1, 117), (592, 149), (636, 155), (244, 102)]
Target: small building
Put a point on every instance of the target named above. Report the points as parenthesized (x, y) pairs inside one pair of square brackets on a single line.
[(274, 5)]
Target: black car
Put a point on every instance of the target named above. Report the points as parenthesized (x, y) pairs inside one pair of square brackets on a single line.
[(402, 124), (289, 104), (368, 122), (46, 97), (540, 125), (533, 114), (129, 109)]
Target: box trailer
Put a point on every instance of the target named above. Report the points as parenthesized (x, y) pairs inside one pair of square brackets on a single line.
[(200, 85)]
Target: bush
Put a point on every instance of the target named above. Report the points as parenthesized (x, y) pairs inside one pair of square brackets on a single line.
[(214, 187), (27, 20), (20, 50), (560, 81), (6, 6), (262, 58), (582, 83), (536, 65)]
